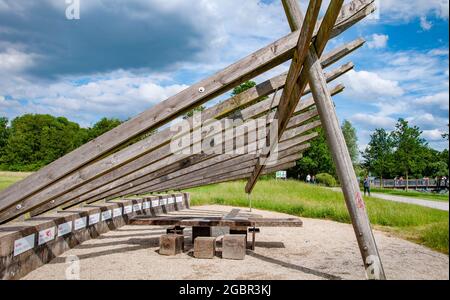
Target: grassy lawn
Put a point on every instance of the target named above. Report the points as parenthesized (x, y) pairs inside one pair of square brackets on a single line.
[(421, 225), (413, 194), (8, 178)]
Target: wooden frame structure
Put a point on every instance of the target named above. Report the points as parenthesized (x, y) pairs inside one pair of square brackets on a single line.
[(132, 160)]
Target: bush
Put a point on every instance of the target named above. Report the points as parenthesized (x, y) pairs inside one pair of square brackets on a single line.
[(326, 179)]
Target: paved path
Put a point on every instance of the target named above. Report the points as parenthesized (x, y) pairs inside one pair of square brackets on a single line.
[(441, 205)]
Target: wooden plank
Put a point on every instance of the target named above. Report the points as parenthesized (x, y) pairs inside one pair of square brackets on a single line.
[(226, 168), (281, 165), (163, 157), (298, 84), (64, 188), (247, 68), (149, 182), (341, 157)]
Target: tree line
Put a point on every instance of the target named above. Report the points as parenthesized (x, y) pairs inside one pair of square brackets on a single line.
[(402, 152), (32, 141)]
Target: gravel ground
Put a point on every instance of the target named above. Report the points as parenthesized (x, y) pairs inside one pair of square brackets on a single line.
[(321, 250)]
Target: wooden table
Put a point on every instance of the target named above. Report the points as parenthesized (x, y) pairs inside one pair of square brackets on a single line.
[(234, 219)]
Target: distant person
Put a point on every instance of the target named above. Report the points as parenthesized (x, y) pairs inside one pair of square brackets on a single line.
[(366, 186), (313, 179), (308, 179)]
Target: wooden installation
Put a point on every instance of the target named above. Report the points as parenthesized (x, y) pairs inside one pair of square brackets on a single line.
[(125, 168)]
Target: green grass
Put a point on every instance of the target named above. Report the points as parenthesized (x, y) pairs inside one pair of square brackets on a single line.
[(422, 225), (9, 178), (413, 194)]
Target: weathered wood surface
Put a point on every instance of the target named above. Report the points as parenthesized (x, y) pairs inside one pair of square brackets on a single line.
[(283, 164), (296, 85), (340, 153), (148, 158), (208, 166), (247, 68), (167, 159), (200, 221)]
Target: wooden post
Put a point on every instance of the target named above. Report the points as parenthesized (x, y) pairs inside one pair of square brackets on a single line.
[(340, 153)]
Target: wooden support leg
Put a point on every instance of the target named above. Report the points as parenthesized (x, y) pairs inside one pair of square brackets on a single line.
[(340, 153)]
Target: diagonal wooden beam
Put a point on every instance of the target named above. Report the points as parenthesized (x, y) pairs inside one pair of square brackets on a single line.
[(247, 68), (296, 84), (340, 154)]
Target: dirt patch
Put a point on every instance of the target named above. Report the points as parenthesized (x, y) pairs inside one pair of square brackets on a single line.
[(321, 250)]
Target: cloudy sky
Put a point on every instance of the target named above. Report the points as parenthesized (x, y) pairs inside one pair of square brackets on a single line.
[(123, 56)]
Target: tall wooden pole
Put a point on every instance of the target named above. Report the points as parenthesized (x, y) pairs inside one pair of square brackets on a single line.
[(340, 153)]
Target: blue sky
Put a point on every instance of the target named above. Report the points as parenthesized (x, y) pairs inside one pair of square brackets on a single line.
[(121, 57)]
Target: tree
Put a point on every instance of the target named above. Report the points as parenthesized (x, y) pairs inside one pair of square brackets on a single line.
[(379, 153), (243, 87), (36, 140), (103, 126), (445, 135), (4, 133), (317, 159), (351, 140), (409, 148)]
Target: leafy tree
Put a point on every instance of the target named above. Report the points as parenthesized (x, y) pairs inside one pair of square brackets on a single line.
[(351, 140), (243, 87), (409, 148), (36, 140), (317, 159), (378, 156), (4, 132), (103, 126)]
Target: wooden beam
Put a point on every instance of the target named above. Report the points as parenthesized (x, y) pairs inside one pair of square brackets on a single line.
[(161, 158), (247, 68), (242, 163), (296, 84), (152, 180), (340, 154)]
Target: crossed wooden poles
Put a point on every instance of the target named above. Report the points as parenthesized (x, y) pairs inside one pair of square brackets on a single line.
[(132, 160)]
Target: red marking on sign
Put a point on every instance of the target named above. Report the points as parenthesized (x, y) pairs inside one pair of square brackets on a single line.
[(359, 201)]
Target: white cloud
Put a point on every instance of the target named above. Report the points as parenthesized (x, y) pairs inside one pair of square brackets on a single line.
[(373, 120), (425, 24), (407, 10), (439, 101), (433, 135), (378, 41), (12, 60), (370, 86)]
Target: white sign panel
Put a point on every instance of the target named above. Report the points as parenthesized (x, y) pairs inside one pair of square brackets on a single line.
[(171, 200), (24, 244), (146, 205), (106, 215), (164, 201), (137, 207), (179, 199), (155, 203), (80, 223), (64, 228), (46, 235), (94, 219), (281, 174), (117, 212), (128, 209)]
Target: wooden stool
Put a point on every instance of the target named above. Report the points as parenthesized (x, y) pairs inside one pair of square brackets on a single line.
[(205, 247), (234, 246), (171, 244)]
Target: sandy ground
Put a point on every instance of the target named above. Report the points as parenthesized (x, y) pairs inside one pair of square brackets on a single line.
[(321, 250)]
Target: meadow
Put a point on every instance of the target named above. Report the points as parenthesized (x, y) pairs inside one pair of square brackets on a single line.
[(413, 194), (425, 226)]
